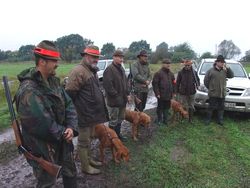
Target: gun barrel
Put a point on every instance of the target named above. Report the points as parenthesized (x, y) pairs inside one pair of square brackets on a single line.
[(8, 98)]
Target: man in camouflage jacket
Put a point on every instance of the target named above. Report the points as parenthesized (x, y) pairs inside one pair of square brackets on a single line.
[(142, 78), (48, 116)]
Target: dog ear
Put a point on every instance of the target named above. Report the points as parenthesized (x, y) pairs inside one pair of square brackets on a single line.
[(125, 154)]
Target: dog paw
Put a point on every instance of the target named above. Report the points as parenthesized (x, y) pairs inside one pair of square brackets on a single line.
[(117, 161)]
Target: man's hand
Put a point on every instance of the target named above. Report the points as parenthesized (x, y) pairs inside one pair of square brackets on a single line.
[(68, 134), (147, 82), (129, 99), (225, 67)]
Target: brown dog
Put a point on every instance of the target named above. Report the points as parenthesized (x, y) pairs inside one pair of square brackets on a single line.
[(178, 110), (137, 119), (109, 139)]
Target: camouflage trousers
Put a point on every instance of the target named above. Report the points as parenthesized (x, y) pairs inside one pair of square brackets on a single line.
[(63, 158), (187, 101), (116, 114)]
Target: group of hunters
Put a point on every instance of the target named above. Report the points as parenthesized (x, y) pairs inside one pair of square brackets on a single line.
[(51, 115)]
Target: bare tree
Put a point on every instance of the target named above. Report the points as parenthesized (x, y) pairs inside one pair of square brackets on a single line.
[(228, 49)]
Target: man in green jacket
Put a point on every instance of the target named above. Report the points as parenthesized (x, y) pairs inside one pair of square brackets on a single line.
[(84, 89), (142, 78), (48, 116), (215, 80)]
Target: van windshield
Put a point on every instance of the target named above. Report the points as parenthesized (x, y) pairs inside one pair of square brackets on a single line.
[(236, 68), (101, 65)]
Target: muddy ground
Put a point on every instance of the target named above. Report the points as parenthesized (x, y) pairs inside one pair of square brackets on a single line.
[(15, 171)]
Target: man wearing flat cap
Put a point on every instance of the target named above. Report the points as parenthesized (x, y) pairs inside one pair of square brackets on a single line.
[(216, 80), (116, 89), (83, 88), (48, 117), (142, 77), (186, 84), (164, 88)]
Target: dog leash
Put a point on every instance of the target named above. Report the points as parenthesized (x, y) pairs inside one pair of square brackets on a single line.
[(109, 135)]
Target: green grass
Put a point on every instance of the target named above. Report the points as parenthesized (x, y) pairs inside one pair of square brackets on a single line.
[(189, 156), (12, 70), (247, 67)]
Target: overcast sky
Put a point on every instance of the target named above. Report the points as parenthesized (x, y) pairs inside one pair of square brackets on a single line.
[(201, 23)]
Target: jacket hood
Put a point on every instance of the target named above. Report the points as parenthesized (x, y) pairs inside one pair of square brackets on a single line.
[(33, 74), (30, 74)]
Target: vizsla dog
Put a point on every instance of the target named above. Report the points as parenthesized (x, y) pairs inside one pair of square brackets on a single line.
[(109, 139), (137, 119), (178, 110)]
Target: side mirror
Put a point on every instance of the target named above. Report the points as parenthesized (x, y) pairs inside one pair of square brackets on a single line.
[(249, 75)]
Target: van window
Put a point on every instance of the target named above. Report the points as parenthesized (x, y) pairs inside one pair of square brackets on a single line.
[(238, 70), (101, 65)]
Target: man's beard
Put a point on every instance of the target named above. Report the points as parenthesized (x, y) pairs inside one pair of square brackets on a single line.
[(94, 68)]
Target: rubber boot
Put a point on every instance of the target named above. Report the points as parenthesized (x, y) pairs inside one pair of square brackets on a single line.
[(69, 182), (93, 162), (159, 117), (209, 116), (85, 164), (117, 129), (190, 113), (165, 116), (220, 117)]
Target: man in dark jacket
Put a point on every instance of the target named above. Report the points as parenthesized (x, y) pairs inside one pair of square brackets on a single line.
[(83, 88), (186, 84), (142, 78), (164, 88), (116, 89), (215, 80), (48, 116)]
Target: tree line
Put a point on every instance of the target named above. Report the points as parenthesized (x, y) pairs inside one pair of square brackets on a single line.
[(71, 45)]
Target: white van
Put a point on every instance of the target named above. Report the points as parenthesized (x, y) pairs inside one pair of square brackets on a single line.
[(238, 88)]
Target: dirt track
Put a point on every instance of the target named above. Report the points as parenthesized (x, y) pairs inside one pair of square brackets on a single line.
[(17, 173)]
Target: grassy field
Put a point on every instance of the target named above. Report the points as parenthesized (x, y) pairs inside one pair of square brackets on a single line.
[(247, 67), (183, 155), (13, 69), (187, 155)]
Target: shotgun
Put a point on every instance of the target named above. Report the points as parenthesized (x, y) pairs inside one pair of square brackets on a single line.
[(195, 79), (52, 169)]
